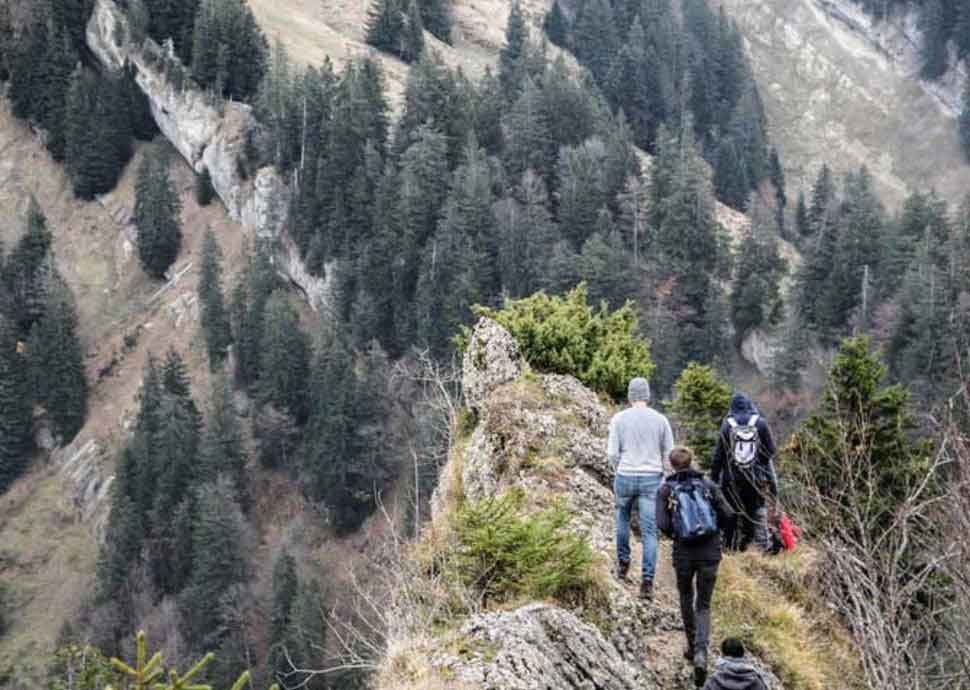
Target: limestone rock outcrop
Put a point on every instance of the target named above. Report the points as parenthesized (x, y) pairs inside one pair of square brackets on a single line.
[(545, 435), (209, 135)]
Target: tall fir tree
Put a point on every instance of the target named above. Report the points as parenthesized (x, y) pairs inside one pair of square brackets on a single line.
[(512, 56), (385, 24), (248, 311), (16, 413), (555, 25), (157, 215), (964, 121), (214, 316), (28, 272), (284, 359), (412, 38), (756, 300), (595, 38), (934, 31), (56, 360)]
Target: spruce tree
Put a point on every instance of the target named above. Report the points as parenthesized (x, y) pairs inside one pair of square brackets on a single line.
[(219, 540), (412, 38), (964, 121), (16, 413), (511, 60), (777, 176), (214, 316), (934, 30), (222, 451), (700, 398), (157, 215), (527, 236), (756, 300), (594, 35), (284, 359), (555, 25), (385, 25), (204, 192), (436, 17), (530, 143), (285, 589), (28, 272), (248, 311), (802, 225), (56, 361), (7, 43), (229, 52)]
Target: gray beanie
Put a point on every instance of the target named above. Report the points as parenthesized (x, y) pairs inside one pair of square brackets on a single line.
[(639, 389)]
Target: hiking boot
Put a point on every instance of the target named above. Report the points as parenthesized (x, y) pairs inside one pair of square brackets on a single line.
[(622, 568), (700, 668), (646, 590)]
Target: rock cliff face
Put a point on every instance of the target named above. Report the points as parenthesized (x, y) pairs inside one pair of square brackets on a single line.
[(209, 136), (844, 89), (545, 435)]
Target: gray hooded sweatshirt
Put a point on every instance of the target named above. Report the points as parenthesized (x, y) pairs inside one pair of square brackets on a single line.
[(734, 674)]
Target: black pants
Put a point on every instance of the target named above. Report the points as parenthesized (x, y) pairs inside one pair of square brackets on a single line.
[(695, 583), (751, 517)]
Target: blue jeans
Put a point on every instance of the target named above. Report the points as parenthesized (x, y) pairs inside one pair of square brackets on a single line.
[(643, 490)]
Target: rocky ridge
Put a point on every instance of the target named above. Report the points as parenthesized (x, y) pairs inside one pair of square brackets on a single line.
[(210, 136), (544, 434)]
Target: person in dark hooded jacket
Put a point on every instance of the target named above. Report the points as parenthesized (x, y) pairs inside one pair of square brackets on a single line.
[(695, 562), (732, 672), (747, 488)]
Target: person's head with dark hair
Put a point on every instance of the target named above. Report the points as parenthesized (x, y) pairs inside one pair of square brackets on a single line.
[(732, 647), (681, 458)]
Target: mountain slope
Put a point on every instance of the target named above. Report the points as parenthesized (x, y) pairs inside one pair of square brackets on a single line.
[(840, 89)]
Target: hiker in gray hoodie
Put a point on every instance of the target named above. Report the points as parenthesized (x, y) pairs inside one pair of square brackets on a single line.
[(639, 444), (732, 672)]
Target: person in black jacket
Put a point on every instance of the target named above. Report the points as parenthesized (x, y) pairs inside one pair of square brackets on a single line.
[(732, 672), (746, 485), (695, 562)]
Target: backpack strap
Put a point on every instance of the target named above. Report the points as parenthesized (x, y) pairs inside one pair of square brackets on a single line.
[(732, 422), (753, 421)]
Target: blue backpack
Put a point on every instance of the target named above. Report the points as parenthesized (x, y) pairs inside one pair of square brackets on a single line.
[(692, 513)]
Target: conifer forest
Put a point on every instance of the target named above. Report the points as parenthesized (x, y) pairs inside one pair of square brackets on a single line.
[(608, 184)]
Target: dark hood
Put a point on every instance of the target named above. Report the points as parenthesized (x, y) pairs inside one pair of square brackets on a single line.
[(742, 407), (736, 674)]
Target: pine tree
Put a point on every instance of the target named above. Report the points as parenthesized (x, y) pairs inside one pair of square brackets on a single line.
[(511, 60), (204, 192), (529, 141), (222, 451), (802, 225), (594, 35), (219, 540), (214, 316), (285, 588), (700, 398), (56, 361), (823, 197), (284, 359), (157, 216), (412, 39), (777, 176), (385, 24), (862, 424), (248, 311), (461, 262), (934, 30), (756, 299), (16, 412), (228, 49), (28, 272), (527, 237), (436, 17), (582, 190), (964, 121), (555, 25)]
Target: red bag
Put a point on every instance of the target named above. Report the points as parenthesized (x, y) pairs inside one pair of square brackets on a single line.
[(789, 533)]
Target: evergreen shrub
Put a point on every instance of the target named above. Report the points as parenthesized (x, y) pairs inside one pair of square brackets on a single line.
[(565, 335), (507, 554), (701, 398)]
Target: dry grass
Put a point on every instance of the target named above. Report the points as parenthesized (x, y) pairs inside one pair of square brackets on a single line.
[(763, 601)]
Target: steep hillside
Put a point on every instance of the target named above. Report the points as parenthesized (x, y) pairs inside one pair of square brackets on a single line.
[(841, 89), (50, 519), (542, 436)]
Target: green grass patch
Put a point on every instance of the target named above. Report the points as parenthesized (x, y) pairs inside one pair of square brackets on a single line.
[(805, 650)]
